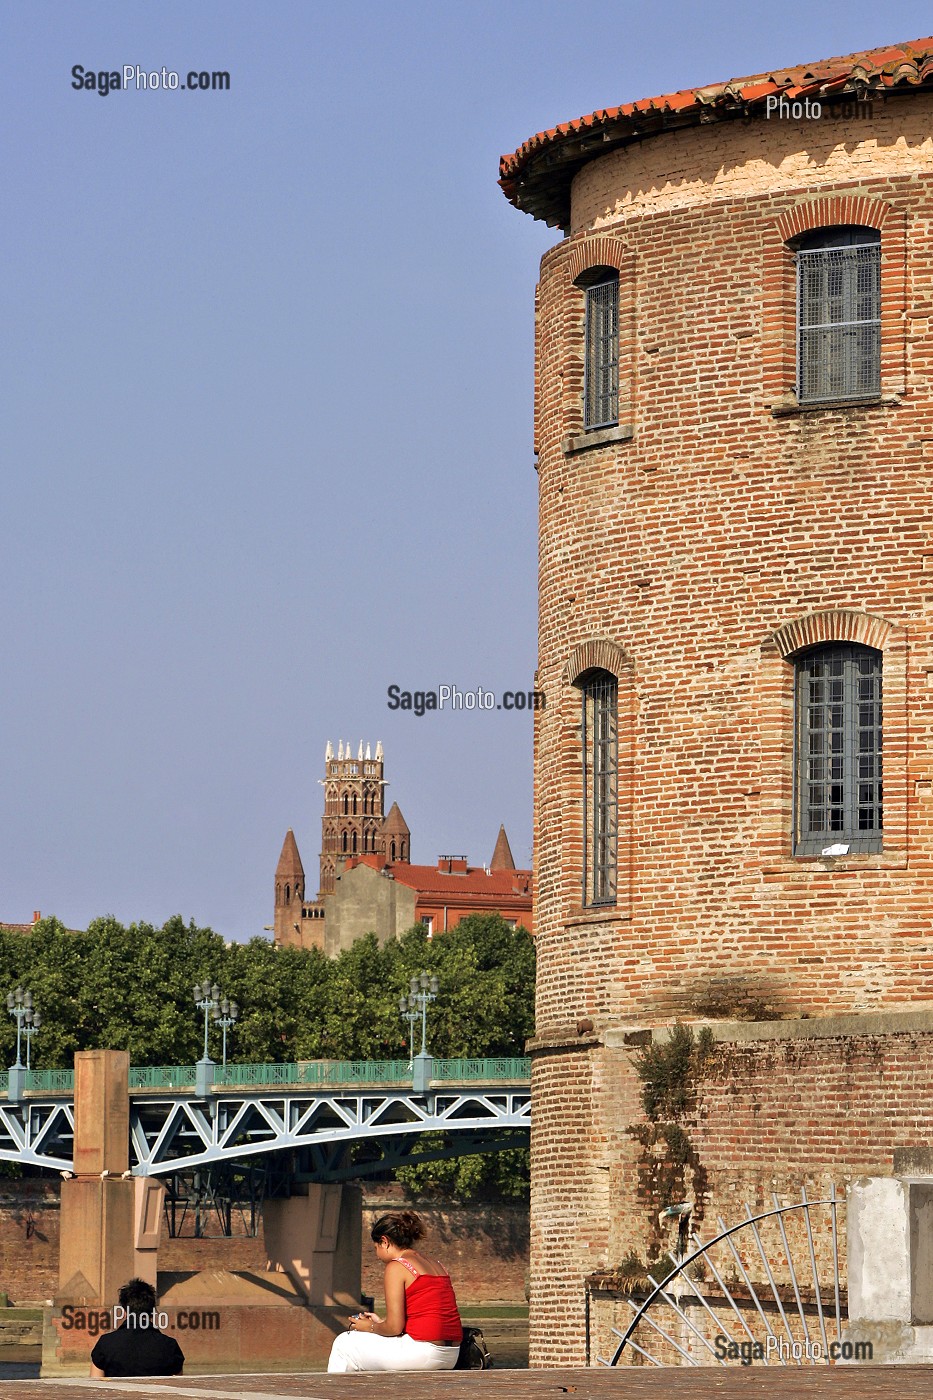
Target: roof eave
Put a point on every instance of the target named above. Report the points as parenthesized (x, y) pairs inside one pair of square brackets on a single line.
[(539, 181)]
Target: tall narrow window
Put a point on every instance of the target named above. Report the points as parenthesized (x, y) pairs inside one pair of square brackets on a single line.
[(600, 786), (839, 315), (601, 363), (838, 759)]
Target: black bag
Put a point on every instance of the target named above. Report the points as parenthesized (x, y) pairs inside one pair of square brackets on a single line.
[(474, 1353)]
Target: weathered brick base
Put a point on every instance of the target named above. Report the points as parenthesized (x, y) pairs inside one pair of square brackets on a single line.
[(780, 1107)]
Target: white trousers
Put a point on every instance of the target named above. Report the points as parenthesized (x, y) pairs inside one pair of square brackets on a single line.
[(367, 1351)]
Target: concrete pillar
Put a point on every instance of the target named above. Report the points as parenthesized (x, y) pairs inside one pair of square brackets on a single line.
[(316, 1238), (149, 1194), (109, 1224), (890, 1268), (878, 1251)]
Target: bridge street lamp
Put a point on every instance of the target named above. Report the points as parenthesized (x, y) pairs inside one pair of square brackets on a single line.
[(225, 1016), (19, 1005), (421, 991), (33, 1021), (410, 1014), (206, 999)]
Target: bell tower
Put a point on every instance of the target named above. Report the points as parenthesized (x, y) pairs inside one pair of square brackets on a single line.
[(353, 807), (289, 891)]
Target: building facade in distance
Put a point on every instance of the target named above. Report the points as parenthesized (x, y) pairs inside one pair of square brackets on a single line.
[(734, 429), (367, 881)]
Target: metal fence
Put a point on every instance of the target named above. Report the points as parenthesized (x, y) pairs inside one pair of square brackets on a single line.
[(306, 1072)]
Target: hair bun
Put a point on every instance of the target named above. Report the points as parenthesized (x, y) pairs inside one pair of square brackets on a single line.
[(402, 1227), (412, 1224)]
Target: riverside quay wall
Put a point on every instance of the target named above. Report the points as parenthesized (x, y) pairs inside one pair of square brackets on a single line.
[(485, 1246), (734, 430)]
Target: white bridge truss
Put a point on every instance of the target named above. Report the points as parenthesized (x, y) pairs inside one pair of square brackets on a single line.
[(173, 1132)]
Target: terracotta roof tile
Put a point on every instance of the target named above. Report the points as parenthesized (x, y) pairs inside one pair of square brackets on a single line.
[(538, 175), (427, 879)]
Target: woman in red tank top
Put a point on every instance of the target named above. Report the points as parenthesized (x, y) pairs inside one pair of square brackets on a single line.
[(421, 1329)]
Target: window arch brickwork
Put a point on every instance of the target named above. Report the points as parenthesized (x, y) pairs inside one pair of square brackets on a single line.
[(559, 338), (779, 316), (598, 655), (776, 710)]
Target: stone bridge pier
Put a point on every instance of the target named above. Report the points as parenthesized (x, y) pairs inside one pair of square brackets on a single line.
[(111, 1223)]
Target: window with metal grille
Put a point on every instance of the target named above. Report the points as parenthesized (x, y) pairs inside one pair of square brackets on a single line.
[(601, 365), (599, 692), (839, 315), (838, 759)]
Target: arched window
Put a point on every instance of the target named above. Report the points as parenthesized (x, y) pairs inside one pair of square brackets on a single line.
[(599, 693), (354, 804), (346, 804), (838, 314), (838, 724), (343, 841), (288, 893), (392, 856), (601, 347), (354, 843)]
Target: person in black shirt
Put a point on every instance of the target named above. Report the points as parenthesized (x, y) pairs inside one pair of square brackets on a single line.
[(137, 1347)]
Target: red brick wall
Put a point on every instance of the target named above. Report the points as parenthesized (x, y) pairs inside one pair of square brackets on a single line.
[(485, 1247), (29, 1256), (693, 553)]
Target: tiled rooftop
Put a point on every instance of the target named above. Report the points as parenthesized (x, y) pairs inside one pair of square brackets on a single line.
[(537, 176)]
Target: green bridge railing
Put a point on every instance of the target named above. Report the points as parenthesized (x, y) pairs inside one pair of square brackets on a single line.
[(312, 1073)]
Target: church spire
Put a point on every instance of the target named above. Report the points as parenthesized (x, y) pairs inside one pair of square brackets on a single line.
[(502, 855), (290, 866), (289, 891)]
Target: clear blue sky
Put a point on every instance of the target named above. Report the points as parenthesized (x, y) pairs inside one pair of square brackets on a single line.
[(266, 446)]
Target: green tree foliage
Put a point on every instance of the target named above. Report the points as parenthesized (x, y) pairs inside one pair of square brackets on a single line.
[(130, 988), (478, 1176)]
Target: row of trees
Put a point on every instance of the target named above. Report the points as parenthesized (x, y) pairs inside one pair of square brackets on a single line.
[(131, 988)]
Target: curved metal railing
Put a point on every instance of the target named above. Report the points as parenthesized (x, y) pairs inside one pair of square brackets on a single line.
[(695, 1298)]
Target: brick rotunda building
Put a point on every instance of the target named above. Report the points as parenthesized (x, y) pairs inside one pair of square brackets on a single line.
[(734, 429)]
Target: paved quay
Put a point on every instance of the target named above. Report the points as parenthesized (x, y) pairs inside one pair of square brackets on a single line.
[(753, 1383)]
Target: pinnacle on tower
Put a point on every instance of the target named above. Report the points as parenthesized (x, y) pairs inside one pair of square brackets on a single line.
[(396, 836), (290, 866), (368, 754), (340, 748), (502, 855), (328, 752), (379, 753), (360, 754)]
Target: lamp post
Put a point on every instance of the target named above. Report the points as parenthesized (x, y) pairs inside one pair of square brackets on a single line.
[(19, 1005), (206, 999), (409, 1014), (225, 1016), (33, 1021), (421, 991)]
